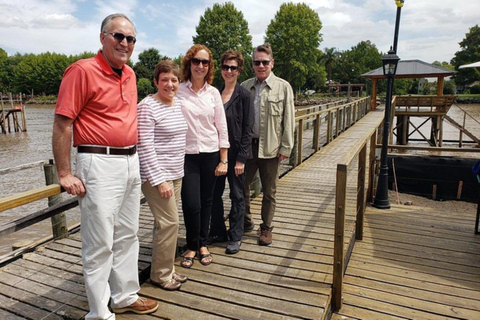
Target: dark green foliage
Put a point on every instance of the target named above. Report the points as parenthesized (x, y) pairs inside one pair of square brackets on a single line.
[(147, 60), (144, 87), (469, 53), (294, 34), (221, 28), (475, 89)]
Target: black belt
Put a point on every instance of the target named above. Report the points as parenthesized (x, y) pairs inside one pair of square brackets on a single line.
[(108, 150)]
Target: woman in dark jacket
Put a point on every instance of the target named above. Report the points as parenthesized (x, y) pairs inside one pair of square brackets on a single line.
[(238, 103)]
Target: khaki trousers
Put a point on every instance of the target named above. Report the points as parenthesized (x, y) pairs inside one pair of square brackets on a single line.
[(268, 170), (165, 232)]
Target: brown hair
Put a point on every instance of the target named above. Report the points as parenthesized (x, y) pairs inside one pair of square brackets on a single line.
[(166, 66), (263, 48), (187, 73), (233, 55)]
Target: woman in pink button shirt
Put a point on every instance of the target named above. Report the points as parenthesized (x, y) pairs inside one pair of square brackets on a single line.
[(206, 150)]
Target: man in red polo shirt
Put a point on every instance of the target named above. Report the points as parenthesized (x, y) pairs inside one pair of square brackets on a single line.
[(98, 97)]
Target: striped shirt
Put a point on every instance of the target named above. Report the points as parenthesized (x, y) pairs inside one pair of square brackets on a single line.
[(161, 140)]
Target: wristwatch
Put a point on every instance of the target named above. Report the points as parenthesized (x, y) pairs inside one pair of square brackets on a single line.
[(224, 161)]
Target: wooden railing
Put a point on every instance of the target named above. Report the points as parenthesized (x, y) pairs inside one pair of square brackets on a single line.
[(338, 118), (363, 193)]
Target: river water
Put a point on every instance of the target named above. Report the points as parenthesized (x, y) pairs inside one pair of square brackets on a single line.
[(35, 145)]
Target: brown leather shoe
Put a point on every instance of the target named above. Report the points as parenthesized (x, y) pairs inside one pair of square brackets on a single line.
[(170, 285), (179, 277), (141, 306), (265, 237)]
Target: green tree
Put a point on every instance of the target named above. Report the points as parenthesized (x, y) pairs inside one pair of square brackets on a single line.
[(221, 28), (329, 58), (443, 64), (41, 73), (3, 59), (294, 34), (144, 87), (147, 60), (469, 53)]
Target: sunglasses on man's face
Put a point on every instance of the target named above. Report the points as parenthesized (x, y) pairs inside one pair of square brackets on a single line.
[(120, 36), (259, 62), (227, 67), (196, 62)]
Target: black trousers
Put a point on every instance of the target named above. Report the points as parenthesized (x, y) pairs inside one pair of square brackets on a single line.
[(237, 210), (197, 196)]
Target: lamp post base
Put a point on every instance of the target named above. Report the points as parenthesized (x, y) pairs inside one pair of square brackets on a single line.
[(381, 204)]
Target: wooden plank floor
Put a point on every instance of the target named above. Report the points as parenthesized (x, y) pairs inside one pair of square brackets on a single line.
[(414, 263), (290, 279)]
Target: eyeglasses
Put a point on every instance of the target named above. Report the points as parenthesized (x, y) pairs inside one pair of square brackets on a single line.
[(264, 62), (227, 67), (120, 36), (196, 62)]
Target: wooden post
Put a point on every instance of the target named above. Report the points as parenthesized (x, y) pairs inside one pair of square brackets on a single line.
[(329, 126), (4, 128), (338, 245), (371, 169), (293, 155), (362, 163), (300, 141), (373, 102), (59, 221), (316, 133), (24, 119)]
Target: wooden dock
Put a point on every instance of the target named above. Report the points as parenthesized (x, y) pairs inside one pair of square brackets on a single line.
[(414, 263), (290, 279)]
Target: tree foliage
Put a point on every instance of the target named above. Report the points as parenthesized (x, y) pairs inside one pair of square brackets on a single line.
[(294, 34), (38, 74), (144, 87), (221, 28), (469, 53), (147, 60)]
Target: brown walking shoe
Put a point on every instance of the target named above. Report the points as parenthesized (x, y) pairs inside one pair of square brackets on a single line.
[(141, 306), (265, 237), (179, 277), (170, 285)]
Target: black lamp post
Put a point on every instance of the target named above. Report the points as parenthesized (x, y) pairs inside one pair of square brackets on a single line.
[(389, 62)]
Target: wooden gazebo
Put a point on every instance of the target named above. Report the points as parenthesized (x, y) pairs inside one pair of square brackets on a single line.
[(410, 69)]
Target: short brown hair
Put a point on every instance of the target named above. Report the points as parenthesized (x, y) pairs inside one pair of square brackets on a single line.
[(233, 55), (166, 66), (264, 48), (187, 73)]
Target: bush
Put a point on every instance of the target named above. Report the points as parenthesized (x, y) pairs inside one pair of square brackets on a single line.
[(144, 87), (475, 89)]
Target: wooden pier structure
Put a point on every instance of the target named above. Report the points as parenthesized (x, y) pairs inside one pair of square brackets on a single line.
[(321, 264), (12, 114)]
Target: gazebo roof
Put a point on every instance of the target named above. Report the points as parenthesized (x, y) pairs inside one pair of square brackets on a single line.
[(412, 69)]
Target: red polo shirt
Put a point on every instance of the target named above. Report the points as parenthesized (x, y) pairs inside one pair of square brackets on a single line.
[(102, 105)]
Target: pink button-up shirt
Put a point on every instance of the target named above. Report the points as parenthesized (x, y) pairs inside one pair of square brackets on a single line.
[(205, 115)]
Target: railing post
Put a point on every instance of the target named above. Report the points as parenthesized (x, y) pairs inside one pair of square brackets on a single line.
[(329, 126), (371, 169), (59, 221), (316, 133), (362, 163), (337, 122), (293, 155), (300, 141), (338, 245)]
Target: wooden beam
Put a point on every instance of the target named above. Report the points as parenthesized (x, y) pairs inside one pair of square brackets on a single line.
[(22, 198)]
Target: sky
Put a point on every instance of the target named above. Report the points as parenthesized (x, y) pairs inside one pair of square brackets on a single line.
[(430, 30)]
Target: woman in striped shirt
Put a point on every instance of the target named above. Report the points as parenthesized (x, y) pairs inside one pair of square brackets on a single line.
[(162, 130)]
